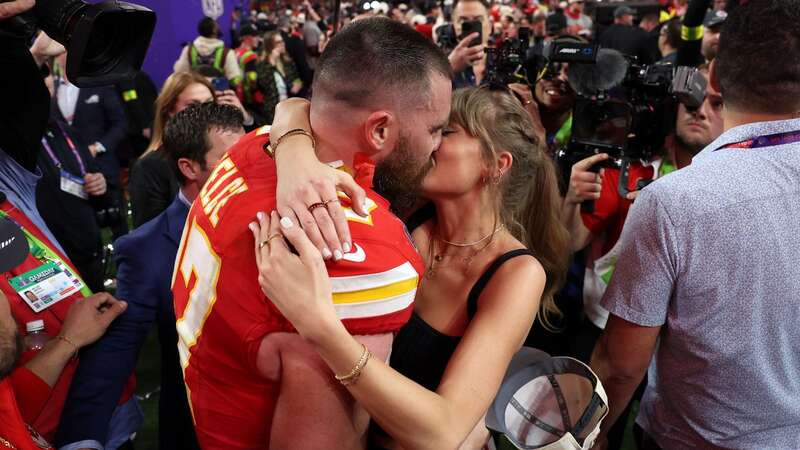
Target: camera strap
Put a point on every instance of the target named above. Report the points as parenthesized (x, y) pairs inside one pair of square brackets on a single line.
[(770, 140)]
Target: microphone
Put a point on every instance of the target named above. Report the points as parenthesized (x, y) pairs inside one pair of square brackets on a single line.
[(608, 71)]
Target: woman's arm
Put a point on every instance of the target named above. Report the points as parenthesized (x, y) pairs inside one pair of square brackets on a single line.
[(411, 414)]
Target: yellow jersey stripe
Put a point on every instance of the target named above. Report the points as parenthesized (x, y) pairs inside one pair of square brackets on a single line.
[(403, 272), (371, 295), (373, 309)]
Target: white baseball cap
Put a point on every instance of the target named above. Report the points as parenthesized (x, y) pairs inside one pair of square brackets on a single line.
[(547, 403)]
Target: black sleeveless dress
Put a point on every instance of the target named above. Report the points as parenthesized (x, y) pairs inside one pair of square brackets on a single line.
[(421, 353)]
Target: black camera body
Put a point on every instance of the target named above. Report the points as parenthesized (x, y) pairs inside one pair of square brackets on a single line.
[(624, 109), (107, 42), (511, 61)]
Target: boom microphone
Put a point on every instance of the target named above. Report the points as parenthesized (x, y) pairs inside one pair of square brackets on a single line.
[(608, 72)]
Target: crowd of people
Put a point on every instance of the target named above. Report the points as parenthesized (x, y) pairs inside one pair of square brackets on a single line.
[(347, 226)]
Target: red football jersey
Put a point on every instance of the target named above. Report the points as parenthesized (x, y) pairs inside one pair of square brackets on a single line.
[(222, 315)]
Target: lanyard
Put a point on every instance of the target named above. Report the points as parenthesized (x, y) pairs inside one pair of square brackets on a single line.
[(770, 140), (71, 146), (42, 251)]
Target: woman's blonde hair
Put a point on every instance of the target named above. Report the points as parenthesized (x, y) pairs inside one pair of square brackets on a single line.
[(527, 200), (165, 103)]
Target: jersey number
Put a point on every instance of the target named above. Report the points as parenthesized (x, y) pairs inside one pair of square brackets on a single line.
[(198, 259)]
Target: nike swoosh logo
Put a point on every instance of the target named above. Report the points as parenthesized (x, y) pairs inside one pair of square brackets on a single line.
[(357, 255)]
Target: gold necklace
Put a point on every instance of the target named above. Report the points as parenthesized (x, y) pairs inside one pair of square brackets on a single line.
[(437, 258)]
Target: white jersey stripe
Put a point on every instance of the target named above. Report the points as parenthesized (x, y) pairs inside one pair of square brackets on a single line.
[(376, 308)]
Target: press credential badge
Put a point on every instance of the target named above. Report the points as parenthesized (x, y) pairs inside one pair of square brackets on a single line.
[(44, 286)]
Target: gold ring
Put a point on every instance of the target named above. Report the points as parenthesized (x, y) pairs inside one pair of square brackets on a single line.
[(266, 241), (315, 206), (527, 102), (333, 200)]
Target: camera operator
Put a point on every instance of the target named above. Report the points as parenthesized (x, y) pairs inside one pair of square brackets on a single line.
[(717, 258), (469, 61), (555, 99)]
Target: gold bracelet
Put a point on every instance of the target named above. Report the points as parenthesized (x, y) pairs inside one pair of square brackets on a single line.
[(352, 377), (70, 342), (271, 149)]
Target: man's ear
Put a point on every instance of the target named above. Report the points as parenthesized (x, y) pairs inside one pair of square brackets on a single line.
[(380, 131), (189, 168), (712, 77)]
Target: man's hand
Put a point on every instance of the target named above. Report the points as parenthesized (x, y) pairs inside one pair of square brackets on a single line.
[(14, 7), (94, 184), (524, 94), (93, 150), (45, 47), (228, 97), (464, 56), (583, 184), (89, 318)]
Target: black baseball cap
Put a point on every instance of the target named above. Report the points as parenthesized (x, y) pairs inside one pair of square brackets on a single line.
[(714, 19), (624, 11), (13, 245), (555, 22), (249, 30)]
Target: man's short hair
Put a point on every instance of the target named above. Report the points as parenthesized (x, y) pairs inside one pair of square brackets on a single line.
[(378, 55), (673, 33), (207, 27), (758, 62), (186, 134)]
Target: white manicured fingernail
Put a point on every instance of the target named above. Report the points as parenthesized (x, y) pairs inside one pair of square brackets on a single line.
[(346, 247), (326, 253), (286, 223), (252, 226), (260, 215), (337, 254)]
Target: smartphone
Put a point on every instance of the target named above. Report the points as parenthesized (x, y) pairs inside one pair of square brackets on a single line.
[(472, 26), (220, 84)]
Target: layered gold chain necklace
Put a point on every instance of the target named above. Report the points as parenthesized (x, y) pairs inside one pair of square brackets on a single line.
[(437, 257)]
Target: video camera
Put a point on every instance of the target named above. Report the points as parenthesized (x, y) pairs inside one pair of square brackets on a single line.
[(623, 108), (106, 42)]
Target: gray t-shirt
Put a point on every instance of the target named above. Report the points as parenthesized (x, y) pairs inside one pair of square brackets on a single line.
[(711, 255)]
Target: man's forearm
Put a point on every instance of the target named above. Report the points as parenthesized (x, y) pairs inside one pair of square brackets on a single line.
[(50, 361), (580, 236), (619, 386)]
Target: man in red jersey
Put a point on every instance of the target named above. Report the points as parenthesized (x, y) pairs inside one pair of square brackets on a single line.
[(382, 91)]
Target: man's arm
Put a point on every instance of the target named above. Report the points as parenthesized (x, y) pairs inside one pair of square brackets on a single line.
[(106, 366), (620, 360), (584, 185)]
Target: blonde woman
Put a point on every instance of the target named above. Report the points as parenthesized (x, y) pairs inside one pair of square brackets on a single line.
[(495, 253), (153, 186)]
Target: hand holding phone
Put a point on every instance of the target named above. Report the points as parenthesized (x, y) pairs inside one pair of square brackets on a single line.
[(472, 26)]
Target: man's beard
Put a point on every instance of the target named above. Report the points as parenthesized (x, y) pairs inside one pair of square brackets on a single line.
[(398, 178), (10, 351), (693, 147)]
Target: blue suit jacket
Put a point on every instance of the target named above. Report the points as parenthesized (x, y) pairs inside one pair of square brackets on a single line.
[(145, 260)]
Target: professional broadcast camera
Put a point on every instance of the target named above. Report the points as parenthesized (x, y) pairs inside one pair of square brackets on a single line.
[(511, 61), (106, 42), (622, 108)]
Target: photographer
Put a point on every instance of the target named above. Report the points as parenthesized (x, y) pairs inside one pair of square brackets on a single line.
[(469, 61), (717, 258)]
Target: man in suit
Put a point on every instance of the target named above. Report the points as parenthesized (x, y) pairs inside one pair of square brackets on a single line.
[(195, 139), (98, 117)]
